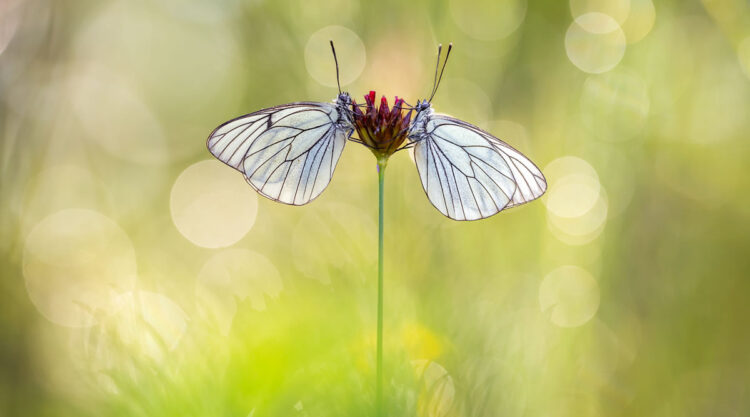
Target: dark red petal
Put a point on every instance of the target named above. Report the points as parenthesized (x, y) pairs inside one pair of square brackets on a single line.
[(396, 110), (383, 110), (405, 121)]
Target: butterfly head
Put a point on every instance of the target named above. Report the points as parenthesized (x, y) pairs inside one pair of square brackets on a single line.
[(344, 99), (422, 105)]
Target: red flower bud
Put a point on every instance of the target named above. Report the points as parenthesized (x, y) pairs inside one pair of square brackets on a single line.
[(382, 129)]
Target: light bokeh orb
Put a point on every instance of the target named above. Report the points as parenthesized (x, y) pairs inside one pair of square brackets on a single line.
[(640, 20), (115, 116), (568, 165), (615, 105), (211, 205), (573, 186), (350, 51), (576, 202), (76, 262), (572, 195), (595, 43), (570, 294), (231, 275), (581, 229), (488, 20)]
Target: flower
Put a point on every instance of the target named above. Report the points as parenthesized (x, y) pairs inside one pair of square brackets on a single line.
[(381, 129)]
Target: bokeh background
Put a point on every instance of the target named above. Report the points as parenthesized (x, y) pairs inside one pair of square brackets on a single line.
[(140, 277)]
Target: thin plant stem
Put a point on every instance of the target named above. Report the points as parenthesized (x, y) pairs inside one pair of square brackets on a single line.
[(379, 358)]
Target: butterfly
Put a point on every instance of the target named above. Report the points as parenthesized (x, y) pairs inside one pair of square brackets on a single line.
[(288, 153)]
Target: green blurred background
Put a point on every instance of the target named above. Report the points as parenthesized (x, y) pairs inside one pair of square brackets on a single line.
[(140, 277)]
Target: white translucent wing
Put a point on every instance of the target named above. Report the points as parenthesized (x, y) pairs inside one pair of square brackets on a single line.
[(287, 153), (469, 174)]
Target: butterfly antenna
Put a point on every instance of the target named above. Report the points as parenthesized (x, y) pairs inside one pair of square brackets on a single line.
[(337, 66), (445, 61), (437, 65)]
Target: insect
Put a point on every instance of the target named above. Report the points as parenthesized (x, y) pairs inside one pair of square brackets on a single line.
[(288, 153), (467, 173)]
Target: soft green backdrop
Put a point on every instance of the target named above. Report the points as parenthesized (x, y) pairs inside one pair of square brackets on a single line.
[(142, 278)]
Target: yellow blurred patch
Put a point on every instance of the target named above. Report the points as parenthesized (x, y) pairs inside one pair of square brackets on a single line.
[(419, 342), (415, 340)]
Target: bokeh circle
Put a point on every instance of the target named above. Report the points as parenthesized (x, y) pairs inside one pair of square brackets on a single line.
[(595, 43), (211, 205), (350, 51), (76, 262)]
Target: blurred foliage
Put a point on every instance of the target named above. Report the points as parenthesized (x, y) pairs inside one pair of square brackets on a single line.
[(138, 280)]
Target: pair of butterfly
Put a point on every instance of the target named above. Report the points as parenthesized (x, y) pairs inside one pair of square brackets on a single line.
[(288, 153)]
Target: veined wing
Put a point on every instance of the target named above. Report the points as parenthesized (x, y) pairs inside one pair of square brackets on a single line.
[(287, 153), (469, 174)]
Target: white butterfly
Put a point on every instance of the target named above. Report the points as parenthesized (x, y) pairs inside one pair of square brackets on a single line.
[(287, 153), (467, 173)]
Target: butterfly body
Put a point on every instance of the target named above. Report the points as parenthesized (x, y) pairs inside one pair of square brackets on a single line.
[(343, 105), (418, 128)]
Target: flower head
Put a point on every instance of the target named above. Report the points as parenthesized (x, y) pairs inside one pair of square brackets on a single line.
[(380, 128)]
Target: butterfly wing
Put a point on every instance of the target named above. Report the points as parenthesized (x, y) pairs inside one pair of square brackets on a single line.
[(287, 153), (468, 174)]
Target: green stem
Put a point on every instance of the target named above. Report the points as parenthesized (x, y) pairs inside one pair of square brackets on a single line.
[(379, 358)]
